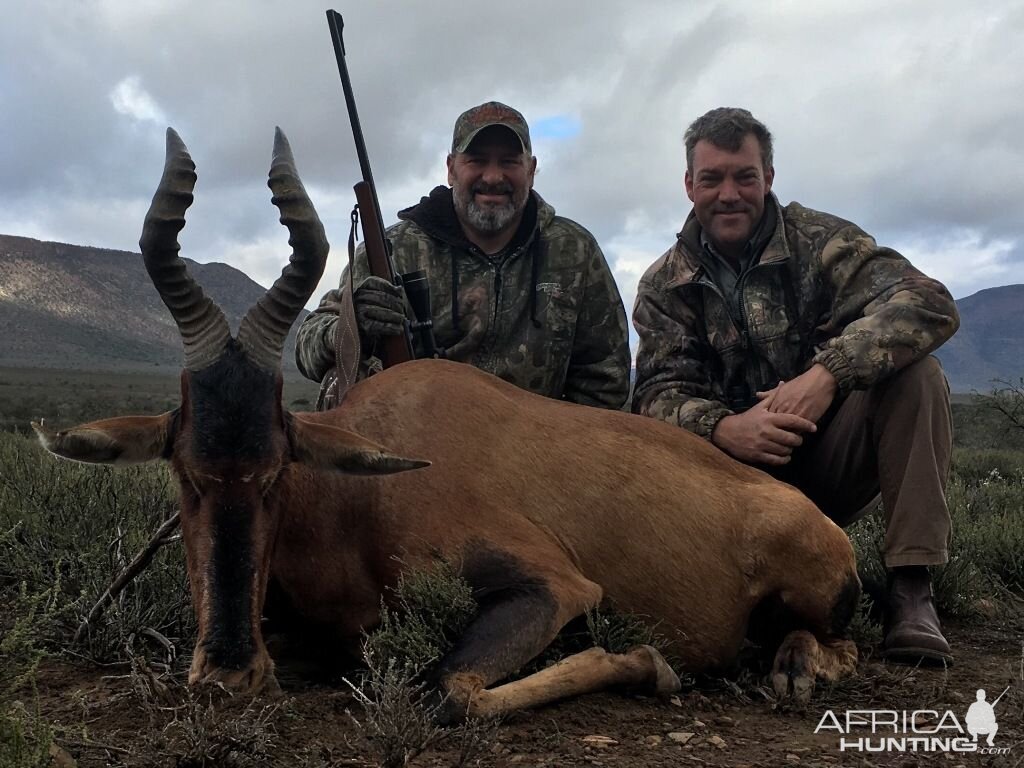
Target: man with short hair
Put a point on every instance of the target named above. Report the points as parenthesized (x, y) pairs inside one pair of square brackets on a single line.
[(793, 342), (515, 290)]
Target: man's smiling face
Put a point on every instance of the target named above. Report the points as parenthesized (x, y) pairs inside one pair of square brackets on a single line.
[(491, 181), (728, 191)]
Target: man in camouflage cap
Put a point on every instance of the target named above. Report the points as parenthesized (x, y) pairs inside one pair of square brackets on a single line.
[(792, 341), (515, 290)]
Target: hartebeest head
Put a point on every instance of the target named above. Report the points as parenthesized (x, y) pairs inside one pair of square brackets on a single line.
[(230, 441)]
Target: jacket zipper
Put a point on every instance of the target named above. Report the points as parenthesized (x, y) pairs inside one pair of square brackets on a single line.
[(748, 347), (698, 279), (744, 326)]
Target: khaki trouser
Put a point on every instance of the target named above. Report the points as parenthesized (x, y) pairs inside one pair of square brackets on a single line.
[(895, 438)]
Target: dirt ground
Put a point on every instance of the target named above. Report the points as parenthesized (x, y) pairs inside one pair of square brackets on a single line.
[(726, 721)]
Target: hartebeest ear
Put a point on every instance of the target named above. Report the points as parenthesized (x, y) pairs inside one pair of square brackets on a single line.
[(122, 440), (325, 447)]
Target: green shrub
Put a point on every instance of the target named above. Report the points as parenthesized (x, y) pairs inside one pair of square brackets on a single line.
[(73, 527), (419, 624), (985, 495), (978, 466), (621, 632), (25, 738), (988, 524)]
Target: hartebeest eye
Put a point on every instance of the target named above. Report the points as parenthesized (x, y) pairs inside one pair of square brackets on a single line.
[(199, 482), (187, 482), (268, 480)]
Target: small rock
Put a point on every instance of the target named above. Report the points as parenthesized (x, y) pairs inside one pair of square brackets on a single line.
[(698, 724), (652, 741), (725, 721), (60, 758), (517, 758), (674, 701), (682, 737), (717, 740), (596, 740), (986, 608), (793, 758)]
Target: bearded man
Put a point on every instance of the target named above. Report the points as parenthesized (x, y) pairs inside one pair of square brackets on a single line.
[(515, 290)]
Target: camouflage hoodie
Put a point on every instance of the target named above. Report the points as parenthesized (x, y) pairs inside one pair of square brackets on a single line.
[(822, 291), (545, 314)]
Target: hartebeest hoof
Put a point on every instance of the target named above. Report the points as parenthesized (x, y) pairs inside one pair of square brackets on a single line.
[(796, 667), (257, 677), (802, 658), (666, 681)]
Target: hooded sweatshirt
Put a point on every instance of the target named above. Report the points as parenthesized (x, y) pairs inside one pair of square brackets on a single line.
[(544, 313)]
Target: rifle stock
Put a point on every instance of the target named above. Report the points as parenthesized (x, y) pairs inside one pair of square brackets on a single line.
[(391, 349)]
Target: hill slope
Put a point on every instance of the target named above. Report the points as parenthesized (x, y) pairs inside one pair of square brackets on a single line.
[(73, 307), (990, 342)]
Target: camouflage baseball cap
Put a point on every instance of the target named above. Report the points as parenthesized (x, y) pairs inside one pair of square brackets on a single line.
[(474, 120)]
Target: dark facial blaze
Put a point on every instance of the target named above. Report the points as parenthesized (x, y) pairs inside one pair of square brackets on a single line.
[(229, 640), (235, 410), (237, 438)]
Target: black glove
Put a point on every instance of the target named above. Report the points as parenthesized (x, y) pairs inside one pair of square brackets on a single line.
[(380, 308)]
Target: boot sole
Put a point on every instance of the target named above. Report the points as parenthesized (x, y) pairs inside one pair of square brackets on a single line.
[(912, 654)]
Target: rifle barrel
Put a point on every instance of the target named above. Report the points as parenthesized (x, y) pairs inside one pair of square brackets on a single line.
[(999, 697), (337, 24)]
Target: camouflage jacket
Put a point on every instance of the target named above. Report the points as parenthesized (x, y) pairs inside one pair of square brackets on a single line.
[(545, 316), (822, 291)]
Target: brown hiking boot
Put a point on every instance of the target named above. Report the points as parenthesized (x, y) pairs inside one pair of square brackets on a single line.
[(914, 633)]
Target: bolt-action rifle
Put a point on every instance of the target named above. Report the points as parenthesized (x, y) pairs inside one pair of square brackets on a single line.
[(392, 350)]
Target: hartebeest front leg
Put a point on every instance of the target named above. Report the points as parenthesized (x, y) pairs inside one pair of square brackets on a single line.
[(589, 671), (513, 625)]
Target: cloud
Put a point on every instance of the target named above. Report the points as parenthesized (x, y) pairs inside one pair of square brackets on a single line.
[(965, 260), (897, 115), (130, 98)]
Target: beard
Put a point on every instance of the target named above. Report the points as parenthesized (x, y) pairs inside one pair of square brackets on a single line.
[(489, 219)]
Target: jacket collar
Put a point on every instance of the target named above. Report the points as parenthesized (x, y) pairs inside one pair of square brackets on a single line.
[(686, 254)]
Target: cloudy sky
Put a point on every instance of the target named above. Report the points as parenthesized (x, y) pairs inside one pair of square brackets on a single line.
[(902, 116)]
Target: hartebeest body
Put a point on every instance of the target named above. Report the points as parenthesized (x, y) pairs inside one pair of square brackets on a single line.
[(545, 507)]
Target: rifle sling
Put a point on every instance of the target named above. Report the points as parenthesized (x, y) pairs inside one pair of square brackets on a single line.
[(347, 347)]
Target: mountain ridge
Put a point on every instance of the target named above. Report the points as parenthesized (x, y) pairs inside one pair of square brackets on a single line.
[(76, 307), (65, 306)]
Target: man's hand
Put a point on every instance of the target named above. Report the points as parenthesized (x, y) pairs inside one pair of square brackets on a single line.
[(759, 436), (380, 308), (808, 395)]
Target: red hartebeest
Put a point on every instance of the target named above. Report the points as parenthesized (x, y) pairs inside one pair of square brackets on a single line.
[(546, 507)]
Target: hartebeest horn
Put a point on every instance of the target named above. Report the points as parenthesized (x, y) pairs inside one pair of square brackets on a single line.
[(265, 326), (203, 327)]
